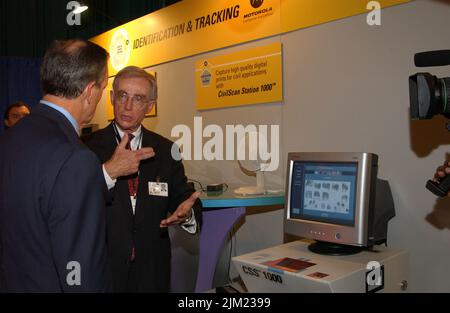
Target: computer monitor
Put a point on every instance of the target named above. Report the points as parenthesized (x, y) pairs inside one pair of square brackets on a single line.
[(337, 200)]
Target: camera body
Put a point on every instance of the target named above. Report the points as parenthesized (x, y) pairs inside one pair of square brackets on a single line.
[(430, 96)]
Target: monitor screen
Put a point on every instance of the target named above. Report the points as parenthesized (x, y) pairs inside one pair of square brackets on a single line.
[(330, 197), (324, 191)]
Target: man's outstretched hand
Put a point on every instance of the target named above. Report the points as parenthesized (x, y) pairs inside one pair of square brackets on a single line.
[(182, 213)]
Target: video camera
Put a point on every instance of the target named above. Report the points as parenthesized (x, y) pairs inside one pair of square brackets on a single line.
[(429, 96)]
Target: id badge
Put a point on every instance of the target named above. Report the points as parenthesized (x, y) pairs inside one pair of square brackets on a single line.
[(158, 189)]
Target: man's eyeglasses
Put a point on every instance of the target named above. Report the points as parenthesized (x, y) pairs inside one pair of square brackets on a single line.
[(137, 100)]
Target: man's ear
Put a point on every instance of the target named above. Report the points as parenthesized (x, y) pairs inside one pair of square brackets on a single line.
[(111, 96), (150, 107), (6, 122), (88, 90)]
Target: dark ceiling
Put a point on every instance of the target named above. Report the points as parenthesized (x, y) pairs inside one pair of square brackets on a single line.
[(28, 26)]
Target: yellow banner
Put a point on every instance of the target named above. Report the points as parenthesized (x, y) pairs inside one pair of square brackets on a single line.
[(192, 27), (241, 78), (187, 28)]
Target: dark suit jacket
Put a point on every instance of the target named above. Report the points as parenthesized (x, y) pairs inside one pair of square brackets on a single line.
[(152, 243), (52, 208)]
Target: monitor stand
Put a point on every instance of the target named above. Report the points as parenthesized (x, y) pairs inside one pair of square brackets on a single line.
[(328, 248)]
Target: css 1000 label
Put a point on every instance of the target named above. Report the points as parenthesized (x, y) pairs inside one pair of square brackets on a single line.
[(262, 274)]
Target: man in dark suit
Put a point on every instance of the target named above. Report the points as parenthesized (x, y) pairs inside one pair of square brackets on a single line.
[(146, 196), (52, 212)]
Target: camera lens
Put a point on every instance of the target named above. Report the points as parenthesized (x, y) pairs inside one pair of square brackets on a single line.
[(429, 96), (445, 94)]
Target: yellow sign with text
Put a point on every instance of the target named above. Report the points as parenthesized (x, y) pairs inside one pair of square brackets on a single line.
[(187, 28), (242, 78), (192, 27)]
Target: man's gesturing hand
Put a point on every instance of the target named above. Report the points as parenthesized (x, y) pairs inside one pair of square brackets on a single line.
[(125, 162)]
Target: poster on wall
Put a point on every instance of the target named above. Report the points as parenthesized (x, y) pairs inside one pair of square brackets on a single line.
[(109, 106), (241, 78)]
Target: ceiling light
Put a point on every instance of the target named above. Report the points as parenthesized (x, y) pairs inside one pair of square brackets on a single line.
[(80, 9)]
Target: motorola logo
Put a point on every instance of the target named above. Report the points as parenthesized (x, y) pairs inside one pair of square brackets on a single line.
[(267, 11), (256, 3)]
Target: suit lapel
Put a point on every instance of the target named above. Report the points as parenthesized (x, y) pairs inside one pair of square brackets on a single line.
[(109, 144), (148, 171), (124, 194)]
